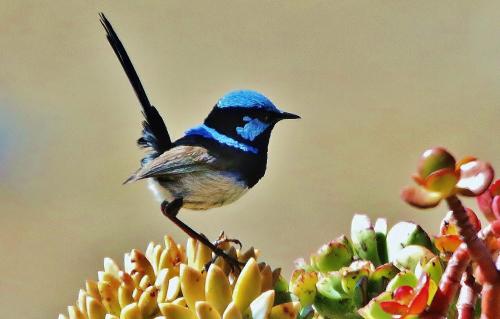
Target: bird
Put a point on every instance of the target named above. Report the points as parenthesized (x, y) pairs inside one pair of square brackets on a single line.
[(214, 163)]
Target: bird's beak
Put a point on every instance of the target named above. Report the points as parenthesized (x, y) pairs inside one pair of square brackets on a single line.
[(288, 116)]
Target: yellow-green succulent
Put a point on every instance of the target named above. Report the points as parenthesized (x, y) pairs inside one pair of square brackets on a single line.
[(170, 282)]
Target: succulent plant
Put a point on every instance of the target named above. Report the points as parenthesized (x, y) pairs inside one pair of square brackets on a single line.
[(344, 275), (377, 273), (170, 281)]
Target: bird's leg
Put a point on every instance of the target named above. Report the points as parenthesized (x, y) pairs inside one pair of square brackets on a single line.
[(171, 209)]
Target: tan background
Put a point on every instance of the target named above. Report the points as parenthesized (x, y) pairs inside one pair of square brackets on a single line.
[(375, 83)]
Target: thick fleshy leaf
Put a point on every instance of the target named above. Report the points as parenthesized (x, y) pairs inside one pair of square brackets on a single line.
[(419, 303), (475, 177), (435, 159), (473, 219), (447, 243), (94, 308), (404, 278), (303, 286), (205, 311), (192, 285), (131, 312), (464, 161), (287, 310), (381, 276), (217, 288), (403, 294), (248, 286), (333, 255), (433, 267), (174, 288), (109, 297), (260, 308), (394, 308), (175, 311), (449, 224), (373, 310), (404, 234), (410, 256), (147, 302), (494, 188), (484, 202), (141, 264), (232, 312), (442, 181), (419, 197), (364, 239), (495, 206)]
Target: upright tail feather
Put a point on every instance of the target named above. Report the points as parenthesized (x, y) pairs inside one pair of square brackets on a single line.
[(154, 134)]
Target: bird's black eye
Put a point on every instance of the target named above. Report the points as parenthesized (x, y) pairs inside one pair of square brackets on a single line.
[(266, 118)]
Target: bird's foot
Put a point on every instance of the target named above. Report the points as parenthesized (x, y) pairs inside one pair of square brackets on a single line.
[(233, 262), (224, 240)]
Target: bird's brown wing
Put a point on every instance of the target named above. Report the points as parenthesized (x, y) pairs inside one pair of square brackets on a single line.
[(178, 160)]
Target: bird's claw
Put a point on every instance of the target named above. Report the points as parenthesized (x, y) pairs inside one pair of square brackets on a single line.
[(223, 239)]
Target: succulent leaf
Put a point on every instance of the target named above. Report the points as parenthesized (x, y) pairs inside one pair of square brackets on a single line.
[(364, 239), (217, 289), (260, 308), (192, 285), (333, 255), (303, 286), (475, 178), (433, 160), (381, 235), (404, 278), (248, 286), (170, 310), (405, 234), (410, 256), (288, 310), (420, 197), (373, 310)]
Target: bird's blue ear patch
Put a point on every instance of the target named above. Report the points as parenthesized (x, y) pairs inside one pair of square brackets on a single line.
[(248, 99), (252, 129)]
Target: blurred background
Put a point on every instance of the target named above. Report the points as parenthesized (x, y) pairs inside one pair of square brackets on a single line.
[(375, 83)]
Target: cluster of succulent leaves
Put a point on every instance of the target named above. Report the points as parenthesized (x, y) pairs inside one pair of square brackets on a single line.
[(375, 274), (382, 274), (172, 282)]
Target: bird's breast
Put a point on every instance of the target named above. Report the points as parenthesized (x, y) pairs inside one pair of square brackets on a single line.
[(200, 190)]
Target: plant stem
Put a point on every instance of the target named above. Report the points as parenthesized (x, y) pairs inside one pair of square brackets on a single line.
[(477, 249), (490, 301), (468, 295), (450, 282)]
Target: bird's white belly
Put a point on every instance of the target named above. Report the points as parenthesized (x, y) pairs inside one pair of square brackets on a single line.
[(199, 191)]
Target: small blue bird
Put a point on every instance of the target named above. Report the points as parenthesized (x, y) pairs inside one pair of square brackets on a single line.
[(214, 163)]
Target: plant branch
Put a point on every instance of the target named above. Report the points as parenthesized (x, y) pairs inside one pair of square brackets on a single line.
[(450, 282), (477, 249), (468, 295)]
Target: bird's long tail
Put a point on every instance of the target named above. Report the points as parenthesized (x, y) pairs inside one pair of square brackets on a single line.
[(154, 134)]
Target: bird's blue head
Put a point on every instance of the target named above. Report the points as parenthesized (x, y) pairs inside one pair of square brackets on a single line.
[(242, 119)]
